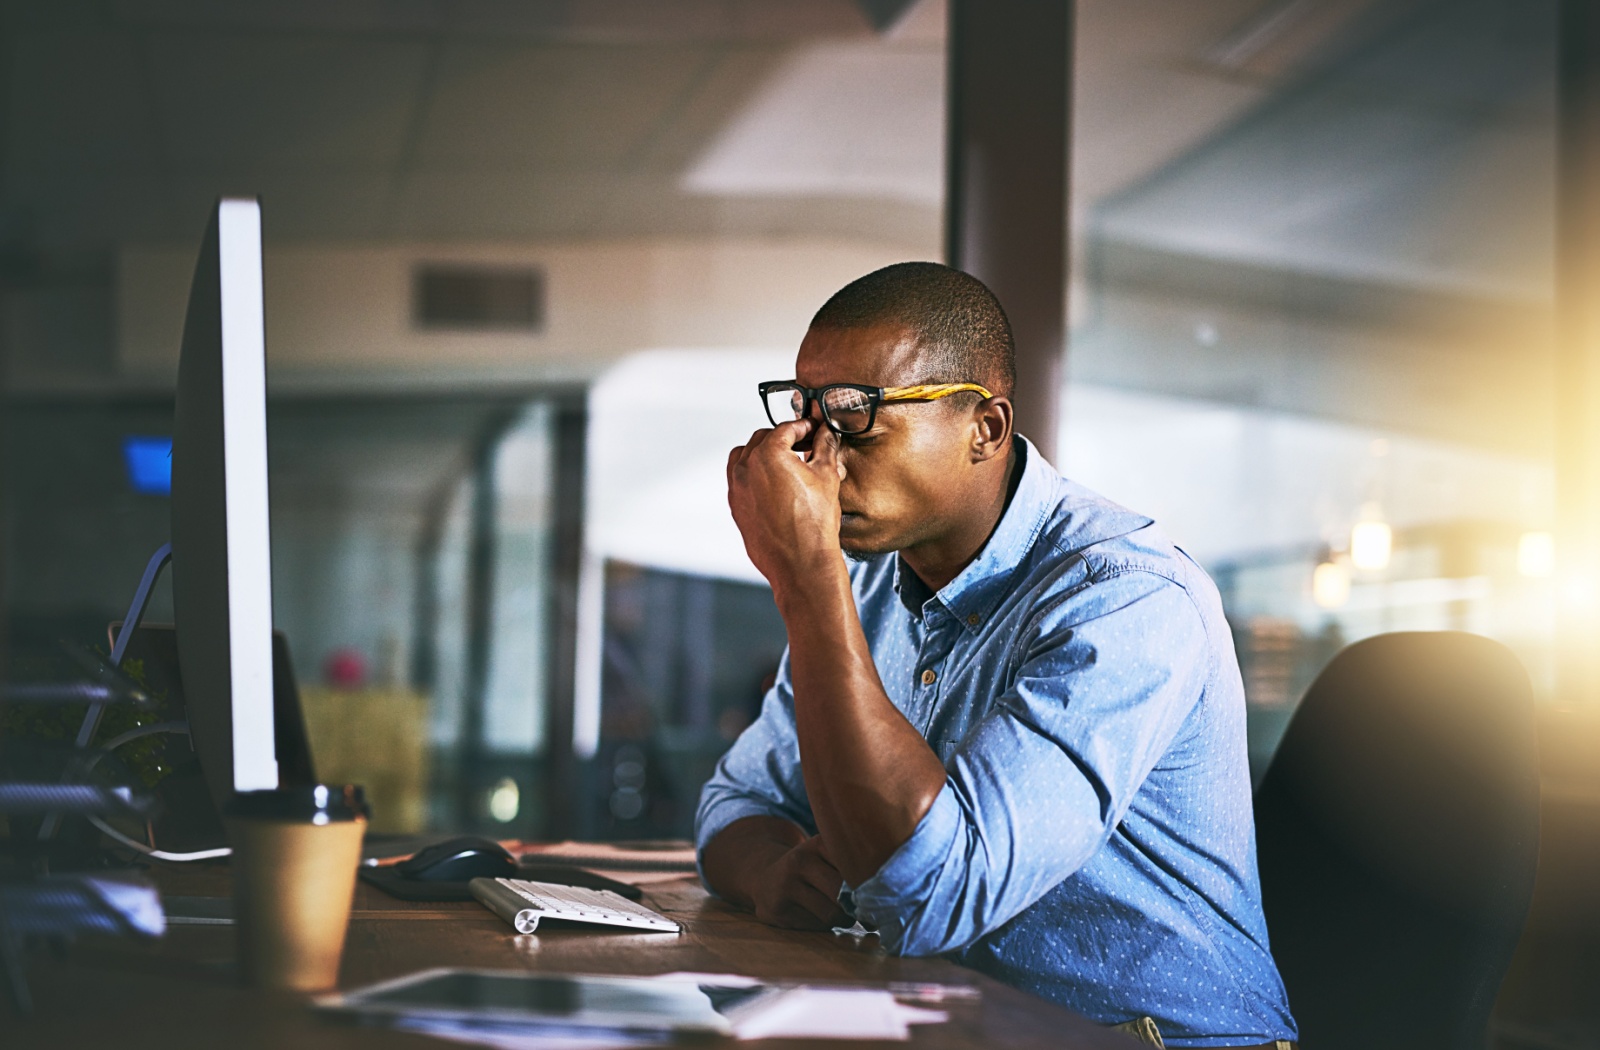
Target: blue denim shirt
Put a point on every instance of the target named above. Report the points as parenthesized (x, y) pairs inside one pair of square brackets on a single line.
[(1093, 842)]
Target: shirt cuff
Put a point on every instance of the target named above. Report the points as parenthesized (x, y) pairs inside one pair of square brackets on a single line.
[(890, 899)]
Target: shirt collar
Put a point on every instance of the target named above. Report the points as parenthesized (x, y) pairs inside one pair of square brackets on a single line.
[(975, 591)]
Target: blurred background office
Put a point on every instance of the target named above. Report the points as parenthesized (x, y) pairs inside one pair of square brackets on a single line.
[(526, 261)]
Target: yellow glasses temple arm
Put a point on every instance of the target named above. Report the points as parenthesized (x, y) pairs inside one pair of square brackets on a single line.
[(930, 391)]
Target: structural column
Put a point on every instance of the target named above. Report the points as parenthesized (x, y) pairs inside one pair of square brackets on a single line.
[(1578, 352), (570, 458), (1008, 153), (481, 551)]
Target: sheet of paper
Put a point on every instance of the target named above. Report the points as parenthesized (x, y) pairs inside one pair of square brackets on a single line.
[(643, 878), (719, 980), (515, 1037), (595, 855), (802, 1012), (670, 852), (833, 1013), (632, 864), (819, 1012)]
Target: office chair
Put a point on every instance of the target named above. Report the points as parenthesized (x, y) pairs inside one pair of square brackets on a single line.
[(1398, 835)]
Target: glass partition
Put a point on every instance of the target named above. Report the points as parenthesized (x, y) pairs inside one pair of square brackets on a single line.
[(392, 519), (1315, 342)]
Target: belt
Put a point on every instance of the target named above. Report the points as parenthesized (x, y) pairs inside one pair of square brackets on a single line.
[(1281, 1044), (1145, 1031)]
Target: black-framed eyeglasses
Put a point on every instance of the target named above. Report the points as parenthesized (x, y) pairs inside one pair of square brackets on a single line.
[(848, 408)]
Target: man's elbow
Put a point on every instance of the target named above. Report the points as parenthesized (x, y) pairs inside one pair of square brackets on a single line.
[(923, 931), (932, 919), (861, 852)]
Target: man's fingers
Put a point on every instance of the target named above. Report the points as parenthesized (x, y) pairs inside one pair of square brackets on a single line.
[(814, 883), (798, 905), (816, 845), (803, 892), (824, 908), (825, 453), (784, 436), (788, 435), (819, 873)]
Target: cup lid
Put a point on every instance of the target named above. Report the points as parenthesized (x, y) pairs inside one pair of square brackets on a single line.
[(314, 803)]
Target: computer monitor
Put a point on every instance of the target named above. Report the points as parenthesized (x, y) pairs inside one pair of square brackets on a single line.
[(221, 559)]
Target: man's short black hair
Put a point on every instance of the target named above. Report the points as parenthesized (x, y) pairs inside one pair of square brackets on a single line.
[(963, 331)]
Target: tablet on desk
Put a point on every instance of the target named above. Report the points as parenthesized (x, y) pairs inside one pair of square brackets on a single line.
[(518, 997)]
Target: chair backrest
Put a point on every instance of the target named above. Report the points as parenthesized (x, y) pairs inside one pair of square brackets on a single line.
[(1398, 835)]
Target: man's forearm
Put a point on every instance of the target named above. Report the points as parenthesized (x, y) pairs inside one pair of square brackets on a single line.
[(869, 774)]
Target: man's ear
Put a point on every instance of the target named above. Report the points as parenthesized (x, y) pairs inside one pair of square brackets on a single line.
[(991, 429)]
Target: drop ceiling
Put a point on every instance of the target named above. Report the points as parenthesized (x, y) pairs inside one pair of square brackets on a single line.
[(1309, 157), (525, 119)]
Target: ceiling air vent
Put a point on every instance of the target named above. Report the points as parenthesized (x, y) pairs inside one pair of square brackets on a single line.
[(479, 297)]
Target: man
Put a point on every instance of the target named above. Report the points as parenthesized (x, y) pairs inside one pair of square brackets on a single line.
[(1014, 724)]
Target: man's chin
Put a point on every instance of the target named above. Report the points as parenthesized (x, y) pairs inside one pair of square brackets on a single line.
[(857, 544)]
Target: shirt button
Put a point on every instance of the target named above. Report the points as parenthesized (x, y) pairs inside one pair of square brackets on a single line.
[(972, 621), (928, 677)]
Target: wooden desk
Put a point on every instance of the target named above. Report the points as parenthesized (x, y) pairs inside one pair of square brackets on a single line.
[(180, 992)]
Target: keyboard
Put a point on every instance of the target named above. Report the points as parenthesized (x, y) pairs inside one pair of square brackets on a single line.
[(524, 904)]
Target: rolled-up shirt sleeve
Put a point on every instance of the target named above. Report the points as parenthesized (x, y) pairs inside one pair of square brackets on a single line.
[(760, 774), (1106, 679)]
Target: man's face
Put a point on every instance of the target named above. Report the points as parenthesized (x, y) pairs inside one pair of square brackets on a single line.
[(908, 477)]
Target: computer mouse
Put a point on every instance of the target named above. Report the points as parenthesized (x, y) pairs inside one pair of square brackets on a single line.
[(457, 860)]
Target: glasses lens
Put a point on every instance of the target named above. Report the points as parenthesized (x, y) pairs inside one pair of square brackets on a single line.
[(849, 410), (783, 404)]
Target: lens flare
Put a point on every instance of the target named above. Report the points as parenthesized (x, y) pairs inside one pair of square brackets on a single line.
[(1330, 584), (1536, 555), (1371, 544), (505, 801)]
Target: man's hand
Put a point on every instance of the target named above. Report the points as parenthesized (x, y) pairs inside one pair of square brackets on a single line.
[(787, 509), (770, 867), (800, 890)]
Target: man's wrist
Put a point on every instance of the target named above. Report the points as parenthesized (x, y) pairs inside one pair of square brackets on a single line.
[(809, 578)]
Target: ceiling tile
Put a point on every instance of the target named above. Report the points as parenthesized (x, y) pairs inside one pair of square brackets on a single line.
[(571, 106), (281, 99), (297, 204), (722, 89), (1406, 163), (77, 102), (496, 204), (857, 119), (638, 206), (68, 213), (566, 21)]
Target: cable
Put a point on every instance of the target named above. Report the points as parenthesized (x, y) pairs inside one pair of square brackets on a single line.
[(133, 844), (134, 734), (139, 847)]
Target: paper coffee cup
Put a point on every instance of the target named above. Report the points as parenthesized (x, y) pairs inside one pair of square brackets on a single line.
[(295, 855)]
